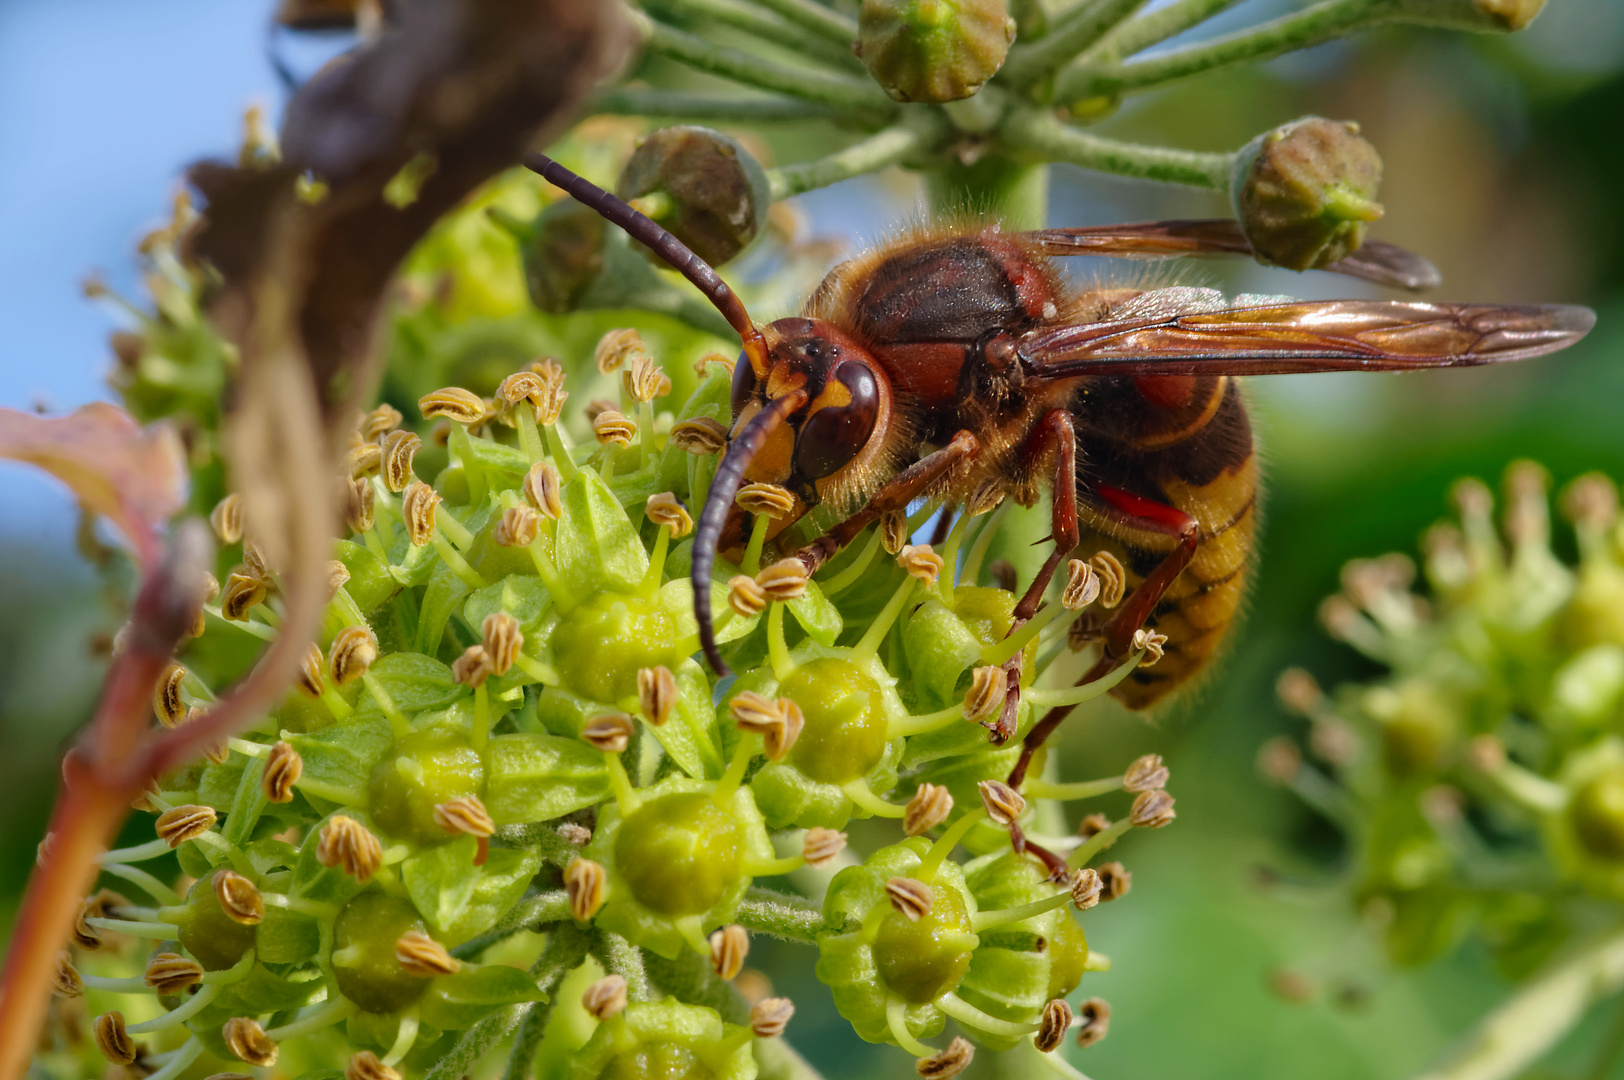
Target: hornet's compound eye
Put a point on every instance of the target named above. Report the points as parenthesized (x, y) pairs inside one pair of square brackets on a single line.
[(744, 383), (834, 434)]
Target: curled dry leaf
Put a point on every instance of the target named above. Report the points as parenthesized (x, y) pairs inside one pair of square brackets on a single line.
[(134, 476)]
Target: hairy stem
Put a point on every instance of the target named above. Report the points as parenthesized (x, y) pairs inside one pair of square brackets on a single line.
[(741, 67), (566, 948), (811, 15), (1157, 26), (883, 148), (1078, 29), (780, 915), (682, 105), (1038, 131)]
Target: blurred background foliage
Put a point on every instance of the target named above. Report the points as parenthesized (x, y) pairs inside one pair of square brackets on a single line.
[(1239, 956)]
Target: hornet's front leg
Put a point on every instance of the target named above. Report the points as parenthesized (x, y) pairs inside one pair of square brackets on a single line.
[(895, 494)]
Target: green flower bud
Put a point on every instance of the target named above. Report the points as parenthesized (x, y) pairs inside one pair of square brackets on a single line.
[(216, 940), (424, 769), (933, 50), (666, 1040), (363, 958), (1597, 813), (701, 186), (1419, 724), (563, 251), (1305, 191), (599, 646), (678, 862), (872, 953)]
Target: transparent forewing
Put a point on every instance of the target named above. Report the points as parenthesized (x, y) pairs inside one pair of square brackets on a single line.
[(1385, 264), (1334, 335)]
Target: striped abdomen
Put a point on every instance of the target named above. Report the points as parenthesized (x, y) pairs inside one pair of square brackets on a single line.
[(1184, 441)]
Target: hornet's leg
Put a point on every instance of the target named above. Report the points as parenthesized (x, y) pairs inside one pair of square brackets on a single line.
[(1052, 437), (1145, 515), (894, 494)]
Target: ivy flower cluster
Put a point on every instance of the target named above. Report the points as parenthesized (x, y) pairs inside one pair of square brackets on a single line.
[(502, 771), (1480, 783)]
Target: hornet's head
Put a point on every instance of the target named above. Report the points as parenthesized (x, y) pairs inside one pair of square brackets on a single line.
[(811, 409)]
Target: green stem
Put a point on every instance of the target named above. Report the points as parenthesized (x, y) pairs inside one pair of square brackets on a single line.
[(1098, 842), (1040, 132), (620, 957), (531, 912), (771, 28), (805, 83), (966, 1013), (863, 797), (758, 539), (943, 847), (1082, 789), (986, 920), (995, 186), (1159, 25), (971, 572), (848, 577), (1521, 1030), (778, 915), (883, 148), (1299, 30), (1076, 695), (811, 15), (905, 726), (681, 105), (1078, 29)]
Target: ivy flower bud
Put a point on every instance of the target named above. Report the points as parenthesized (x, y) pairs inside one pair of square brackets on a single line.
[(518, 527), (227, 519), (1152, 810), (605, 998), (113, 1039), (1086, 888), (1113, 578), (949, 1063), (614, 427), (166, 699), (893, 531), (170, 973), (503, 639), (701, 186), (1094, 1020), (745, 596), (927, 809), (248, 1041), (769, 499), (364, 1065), (380, 421), (933, 50), (770, 1016), (728, 948), (1146, 774), (820, 846), (1305, 191), (1004, 804), (617, 347), (182, 823), (664, 510), (784, 580), (1115, 881), (910, 896), (656, 693), (611, 732), (989, 686), (700, 436), (238, 897), (241, 594), (420, 955), (544, 489), (1052, 1028), (453, 403), (65, 981), (399, 448), (584, 882), (359, 501), (417, 507), (353, 650), (921, 562), (645, 380), (346, 842), (473, 667)]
